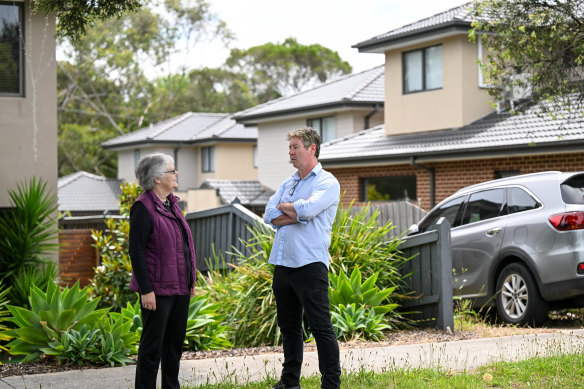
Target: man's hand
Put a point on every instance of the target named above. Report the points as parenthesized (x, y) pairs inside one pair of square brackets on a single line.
[(288, 209)]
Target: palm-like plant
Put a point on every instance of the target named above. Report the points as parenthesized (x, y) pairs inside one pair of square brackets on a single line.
[(28, 230)]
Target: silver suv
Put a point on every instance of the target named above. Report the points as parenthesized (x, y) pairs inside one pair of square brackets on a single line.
[(518, 241)]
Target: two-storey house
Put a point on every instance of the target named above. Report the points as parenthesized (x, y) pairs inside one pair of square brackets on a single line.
[(28, 97), (441, 130), (215, 157)]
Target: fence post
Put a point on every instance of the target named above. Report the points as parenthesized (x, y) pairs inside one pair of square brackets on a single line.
[(445, 318)]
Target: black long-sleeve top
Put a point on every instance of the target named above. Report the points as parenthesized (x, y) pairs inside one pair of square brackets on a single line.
[(140, 231)]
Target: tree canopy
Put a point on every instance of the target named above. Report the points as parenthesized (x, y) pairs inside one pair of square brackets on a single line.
[(536, 44), (73, 16), (277, 69)]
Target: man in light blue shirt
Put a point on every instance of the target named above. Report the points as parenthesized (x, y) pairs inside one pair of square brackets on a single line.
[(303, 210)]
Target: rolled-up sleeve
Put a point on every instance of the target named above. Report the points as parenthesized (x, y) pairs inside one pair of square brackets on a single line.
[(271, 211), (325, 194)]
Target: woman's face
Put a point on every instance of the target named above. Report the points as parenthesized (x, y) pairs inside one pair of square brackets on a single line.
[(168, 182)]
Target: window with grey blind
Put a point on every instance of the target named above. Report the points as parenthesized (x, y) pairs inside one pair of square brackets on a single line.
[(11, 49)]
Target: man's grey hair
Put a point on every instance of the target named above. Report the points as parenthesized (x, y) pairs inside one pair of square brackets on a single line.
[(309, 136), (150, 166)]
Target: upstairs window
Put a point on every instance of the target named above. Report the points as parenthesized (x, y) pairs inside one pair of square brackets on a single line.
[(11, 49), (325, 127), (208, 162), (422, 69)]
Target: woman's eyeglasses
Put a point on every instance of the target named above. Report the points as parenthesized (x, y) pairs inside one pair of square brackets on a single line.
[(173, 171)]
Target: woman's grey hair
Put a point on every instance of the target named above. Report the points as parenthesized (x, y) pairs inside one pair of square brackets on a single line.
[(150, 166)]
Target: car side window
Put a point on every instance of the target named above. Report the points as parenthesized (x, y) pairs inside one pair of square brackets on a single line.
[(449, 210), (519, 200), (484, 205)]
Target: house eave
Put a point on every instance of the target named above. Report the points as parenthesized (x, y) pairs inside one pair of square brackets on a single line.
[(302, 111), (468, 154), (413, 38), (212, 140)]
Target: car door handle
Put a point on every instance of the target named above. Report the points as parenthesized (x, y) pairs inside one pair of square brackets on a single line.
[(494, 231)]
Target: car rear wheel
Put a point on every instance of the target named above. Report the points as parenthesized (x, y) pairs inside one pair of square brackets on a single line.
[(518, 299)]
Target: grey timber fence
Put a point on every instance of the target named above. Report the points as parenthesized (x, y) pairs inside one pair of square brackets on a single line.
[(401, 213), (218, 231), (429, 277)]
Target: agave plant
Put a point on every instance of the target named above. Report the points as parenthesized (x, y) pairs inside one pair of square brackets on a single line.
[(28, 230), (204, 328), (352, 322), (51, 314)]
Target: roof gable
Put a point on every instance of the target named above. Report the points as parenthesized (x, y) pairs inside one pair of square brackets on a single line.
[(249, 192), (82, 191), (456, 17), (367, 87), (188, 128)]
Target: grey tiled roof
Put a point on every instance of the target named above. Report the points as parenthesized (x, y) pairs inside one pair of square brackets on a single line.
[(457, 15), (354, 89), (188, 128), (529, 131), (85, 192), (247, 191)]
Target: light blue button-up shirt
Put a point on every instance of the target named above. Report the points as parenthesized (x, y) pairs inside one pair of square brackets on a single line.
[(315, 199)]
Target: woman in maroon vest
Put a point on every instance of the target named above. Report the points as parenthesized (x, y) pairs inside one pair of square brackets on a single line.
[(163, 264)]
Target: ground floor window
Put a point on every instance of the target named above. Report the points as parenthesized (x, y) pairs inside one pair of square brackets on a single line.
[(391, 188)]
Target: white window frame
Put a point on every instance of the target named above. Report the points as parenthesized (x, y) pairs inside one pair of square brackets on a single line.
[(318, 124)]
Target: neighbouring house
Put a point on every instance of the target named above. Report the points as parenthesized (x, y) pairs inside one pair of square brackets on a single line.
[(440, 131), (249, 193), (337, 109), (28, 97), (205, 146), (85, 194)]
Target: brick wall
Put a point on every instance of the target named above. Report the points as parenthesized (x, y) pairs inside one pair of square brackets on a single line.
[(77, 256), (453, 175)]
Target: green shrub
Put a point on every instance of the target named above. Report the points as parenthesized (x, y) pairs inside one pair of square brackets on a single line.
[(111, 282), (359, 242), (4, 313), (204, 328), (74, 346), (28, 230), (39, 276), (51, 314), (245, 293)]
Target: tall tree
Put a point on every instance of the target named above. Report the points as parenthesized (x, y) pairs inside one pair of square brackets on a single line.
[(103, 88), (278, 69), (535, 44)]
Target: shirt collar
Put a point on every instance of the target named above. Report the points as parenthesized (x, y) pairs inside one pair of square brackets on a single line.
[(315, 171)]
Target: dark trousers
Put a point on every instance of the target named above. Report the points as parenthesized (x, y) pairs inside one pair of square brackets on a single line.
[(161, 343), (306, 288)]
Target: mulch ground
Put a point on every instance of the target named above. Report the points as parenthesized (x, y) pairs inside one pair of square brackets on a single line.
[(392, 338)]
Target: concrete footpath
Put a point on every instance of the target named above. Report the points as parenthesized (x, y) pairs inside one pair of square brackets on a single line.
[(456, 355)]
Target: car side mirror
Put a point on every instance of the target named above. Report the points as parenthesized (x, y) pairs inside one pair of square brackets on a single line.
[(414, 229)]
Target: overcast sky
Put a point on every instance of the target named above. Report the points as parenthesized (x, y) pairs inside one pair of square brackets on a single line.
[(335, 24)]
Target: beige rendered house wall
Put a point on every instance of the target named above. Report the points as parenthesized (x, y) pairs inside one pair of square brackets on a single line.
[(459, 102), (234, 161), (28, 129)]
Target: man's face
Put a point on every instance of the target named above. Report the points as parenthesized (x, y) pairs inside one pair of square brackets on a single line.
[(299, 155)]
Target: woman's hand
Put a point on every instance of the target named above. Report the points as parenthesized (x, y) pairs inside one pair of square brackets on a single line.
[(149, 301), (192, 292)]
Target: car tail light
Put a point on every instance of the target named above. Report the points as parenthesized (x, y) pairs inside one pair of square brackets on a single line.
[(568, 221), (580, 268)]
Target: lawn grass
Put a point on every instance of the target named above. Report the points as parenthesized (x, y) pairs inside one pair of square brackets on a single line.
[(559, 371)]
